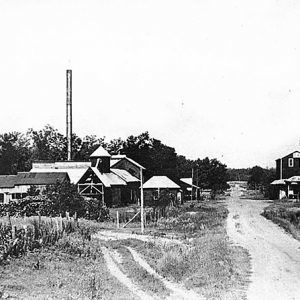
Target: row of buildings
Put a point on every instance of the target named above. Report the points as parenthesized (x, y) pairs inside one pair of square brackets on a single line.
[(113, 179)]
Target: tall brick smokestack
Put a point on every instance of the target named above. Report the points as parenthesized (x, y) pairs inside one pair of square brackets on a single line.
[(69, 114)]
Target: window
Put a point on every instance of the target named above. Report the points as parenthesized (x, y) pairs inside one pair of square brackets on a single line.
[(291, 162), (1, 197), (155, 195)]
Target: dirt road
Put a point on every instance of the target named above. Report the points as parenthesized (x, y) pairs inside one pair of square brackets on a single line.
[(275, 255)]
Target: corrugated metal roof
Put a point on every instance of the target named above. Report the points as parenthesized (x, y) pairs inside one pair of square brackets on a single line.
[(74, 174), (39, 178), (61, 165), (156, 182), (109, 179), (7, 181), (30, 178), (125, 175), (100, 152)]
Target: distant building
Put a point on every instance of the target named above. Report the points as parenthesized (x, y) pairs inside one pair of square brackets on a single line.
[(287, 183), (16, 186), (288, 165), (158, 184)]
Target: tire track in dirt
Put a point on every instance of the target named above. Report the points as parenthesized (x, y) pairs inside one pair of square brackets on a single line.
[(123, 278), (179, 292)]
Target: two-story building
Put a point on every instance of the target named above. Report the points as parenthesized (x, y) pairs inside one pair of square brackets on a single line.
[(287, 180)]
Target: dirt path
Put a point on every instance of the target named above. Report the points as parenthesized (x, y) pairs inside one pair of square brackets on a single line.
[(178, 291), (275, 255), (113, 259), (123, 278)]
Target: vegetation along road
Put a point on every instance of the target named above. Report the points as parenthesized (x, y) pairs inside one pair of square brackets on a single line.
[(275, 255)]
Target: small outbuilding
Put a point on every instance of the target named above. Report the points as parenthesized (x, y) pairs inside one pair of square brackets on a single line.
[(190, 190), (159, 184)]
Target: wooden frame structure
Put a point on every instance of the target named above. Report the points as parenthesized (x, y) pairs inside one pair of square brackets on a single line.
[(91, 189)]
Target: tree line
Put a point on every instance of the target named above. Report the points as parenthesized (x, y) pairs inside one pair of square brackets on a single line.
[(258, 178), (18, 151)]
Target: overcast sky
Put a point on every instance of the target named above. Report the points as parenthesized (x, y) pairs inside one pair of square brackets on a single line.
[(210, 78)]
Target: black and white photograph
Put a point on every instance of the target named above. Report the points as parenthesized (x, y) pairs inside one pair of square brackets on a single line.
[(150, 149)]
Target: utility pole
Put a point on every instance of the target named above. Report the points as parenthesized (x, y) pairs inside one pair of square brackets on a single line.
[(142, 201), (69, 114), (196, 184), (192, 184)]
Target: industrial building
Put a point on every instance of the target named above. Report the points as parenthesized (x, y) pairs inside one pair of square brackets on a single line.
[(115, 180)]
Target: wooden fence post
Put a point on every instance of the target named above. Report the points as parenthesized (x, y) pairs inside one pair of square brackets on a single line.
[(61, 222), (25, 238), (118, 224), (8, 219), (13, 232), (40, 218)]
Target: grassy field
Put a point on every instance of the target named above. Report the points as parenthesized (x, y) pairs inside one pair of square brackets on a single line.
[(54, 274), (70, 268), (286, 214), (74, 267)]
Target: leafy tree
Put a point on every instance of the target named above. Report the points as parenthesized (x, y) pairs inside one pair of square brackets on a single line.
[(47, 144), (162, 159), (156, 157), (138, 147), (256, 177), (83, 148), (260, 179), (210, 173), (65, 197), (238, 174), (115, 146), (184, 167), (15, 153)]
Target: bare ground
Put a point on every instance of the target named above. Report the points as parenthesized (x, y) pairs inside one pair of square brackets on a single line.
[(275, 255)]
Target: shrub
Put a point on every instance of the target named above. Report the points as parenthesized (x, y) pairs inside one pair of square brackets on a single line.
[(56, 201)]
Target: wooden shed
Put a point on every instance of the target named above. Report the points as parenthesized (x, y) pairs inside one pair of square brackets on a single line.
[(158, 184)]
